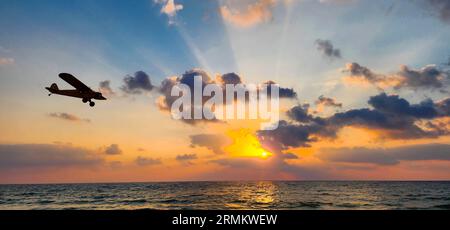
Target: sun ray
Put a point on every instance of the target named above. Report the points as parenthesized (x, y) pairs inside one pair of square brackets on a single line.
[(198, 54), (282, 41), (228, 38)]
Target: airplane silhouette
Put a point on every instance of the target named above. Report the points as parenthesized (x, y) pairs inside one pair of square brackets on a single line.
[(81, 90)]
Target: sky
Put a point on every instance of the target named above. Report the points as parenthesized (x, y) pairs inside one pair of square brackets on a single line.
[(367, 89)]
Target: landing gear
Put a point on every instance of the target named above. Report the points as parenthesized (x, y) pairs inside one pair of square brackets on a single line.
[(91, 103)]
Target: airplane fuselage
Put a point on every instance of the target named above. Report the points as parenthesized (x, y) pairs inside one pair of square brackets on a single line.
[(77, 93)]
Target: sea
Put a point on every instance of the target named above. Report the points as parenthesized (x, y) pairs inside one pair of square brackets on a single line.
[(254, 195)]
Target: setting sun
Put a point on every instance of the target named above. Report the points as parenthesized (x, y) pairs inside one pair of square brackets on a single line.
[(245, 144), (264, 154)]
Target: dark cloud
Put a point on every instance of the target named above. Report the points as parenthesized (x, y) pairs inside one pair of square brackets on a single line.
[(229, 78), (393, 104), (283, 92), (213, 142), (357, 155), (300, 131), (188, 78), (105, 88), (113, 149), (386, 156), (271, 168), (428, 77), (289, 135), (146, 161), (326, 101), (186, 157), (137, 84), (363, 73), (442, 9), (68, 117), (289, 156), (236, 163), (287, 93), (443, 107), (46, 155), (356, 69), (300, 113), (327, 49), (393, 116), (363, 117), (166, 100)]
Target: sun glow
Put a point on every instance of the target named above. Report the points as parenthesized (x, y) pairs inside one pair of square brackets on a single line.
[(246, 144)]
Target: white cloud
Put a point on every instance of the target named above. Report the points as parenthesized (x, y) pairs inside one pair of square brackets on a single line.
[(169, 8), (253, 14)]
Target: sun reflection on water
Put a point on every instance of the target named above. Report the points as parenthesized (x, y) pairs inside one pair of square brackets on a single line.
[(261, 195)]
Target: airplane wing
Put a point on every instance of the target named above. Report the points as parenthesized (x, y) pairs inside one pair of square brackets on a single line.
[(73, 81)]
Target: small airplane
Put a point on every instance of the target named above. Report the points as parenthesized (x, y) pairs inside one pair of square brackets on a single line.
[(81, 90)]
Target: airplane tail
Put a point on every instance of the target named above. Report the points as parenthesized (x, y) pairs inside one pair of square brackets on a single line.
[(53, 88)]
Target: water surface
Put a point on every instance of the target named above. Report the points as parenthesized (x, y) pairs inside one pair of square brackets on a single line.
[(229, 195)]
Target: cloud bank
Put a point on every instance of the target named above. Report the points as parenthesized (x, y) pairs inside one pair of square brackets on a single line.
[(68, 117), (46, 156), (146, 161), (386, 156), (428, 77), (393, 117), (213, 142)]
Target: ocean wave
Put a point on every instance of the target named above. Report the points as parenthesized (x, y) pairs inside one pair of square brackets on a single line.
[(134, 201), (230, 195)]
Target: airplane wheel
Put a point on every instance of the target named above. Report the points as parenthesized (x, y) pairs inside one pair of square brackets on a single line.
[(92, 103), (85, 100)]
